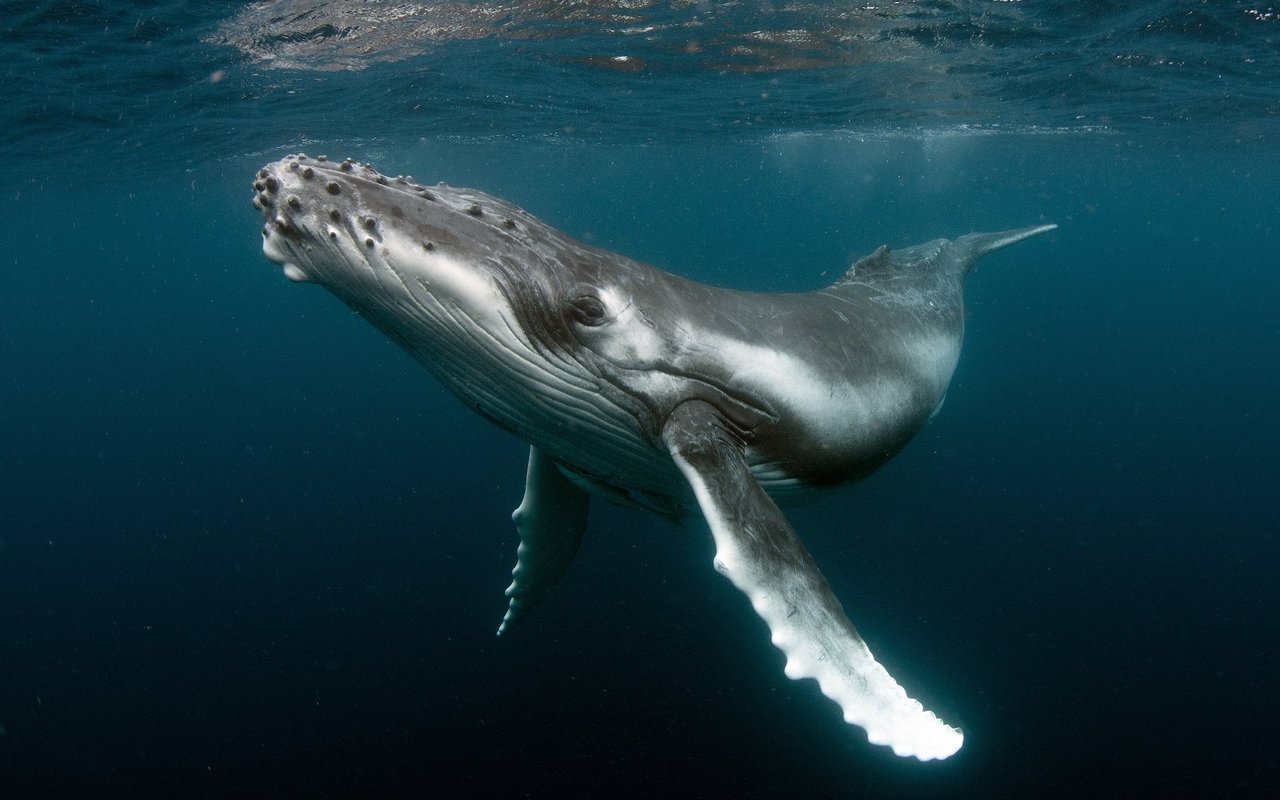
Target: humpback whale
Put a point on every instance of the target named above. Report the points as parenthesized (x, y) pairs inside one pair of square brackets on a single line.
[(651, 390)]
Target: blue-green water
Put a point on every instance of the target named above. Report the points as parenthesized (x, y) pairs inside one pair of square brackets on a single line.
[(249, 549)]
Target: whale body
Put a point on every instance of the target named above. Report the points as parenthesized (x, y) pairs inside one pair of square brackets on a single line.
[(652, 390)]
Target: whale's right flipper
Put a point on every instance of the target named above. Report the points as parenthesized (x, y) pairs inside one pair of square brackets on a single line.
[(761, 554)]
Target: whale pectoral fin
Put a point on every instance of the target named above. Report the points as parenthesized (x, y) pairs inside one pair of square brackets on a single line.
[(761, 554), (550, 521)]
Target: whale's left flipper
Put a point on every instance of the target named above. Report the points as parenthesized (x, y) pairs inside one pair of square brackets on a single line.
[(760, 553), (550, 521)]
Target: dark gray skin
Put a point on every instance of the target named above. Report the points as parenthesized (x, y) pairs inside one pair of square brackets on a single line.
[(650, 389)]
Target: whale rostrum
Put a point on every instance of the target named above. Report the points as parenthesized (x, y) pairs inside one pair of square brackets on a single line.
[(651, 390)]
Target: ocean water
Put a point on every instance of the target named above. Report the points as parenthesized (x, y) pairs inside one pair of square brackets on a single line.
[(249, 549)]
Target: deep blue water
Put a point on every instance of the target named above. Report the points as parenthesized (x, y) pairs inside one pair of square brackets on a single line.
[(249, 549)]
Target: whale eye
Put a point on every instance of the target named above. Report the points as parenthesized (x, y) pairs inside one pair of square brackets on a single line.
[(587, 309)]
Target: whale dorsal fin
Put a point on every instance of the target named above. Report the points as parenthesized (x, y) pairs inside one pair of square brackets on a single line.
[(760, 553), (879, 261)]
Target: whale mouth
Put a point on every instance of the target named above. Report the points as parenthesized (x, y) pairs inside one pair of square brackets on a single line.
[(282, 207), (304, 204)]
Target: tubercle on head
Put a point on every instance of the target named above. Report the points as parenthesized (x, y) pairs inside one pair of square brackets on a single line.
[(307, 166), (282, 194)]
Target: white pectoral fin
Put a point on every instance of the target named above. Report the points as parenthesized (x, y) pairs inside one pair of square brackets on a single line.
[(760, 553), (550, 521)]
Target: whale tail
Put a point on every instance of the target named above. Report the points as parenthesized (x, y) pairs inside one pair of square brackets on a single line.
[(938, 257), (973, 246)]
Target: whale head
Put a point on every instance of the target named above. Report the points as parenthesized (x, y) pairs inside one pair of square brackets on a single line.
[(487, 297)]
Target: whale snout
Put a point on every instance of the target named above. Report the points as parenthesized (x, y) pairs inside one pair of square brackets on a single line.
[(321, 213), (305, 202)]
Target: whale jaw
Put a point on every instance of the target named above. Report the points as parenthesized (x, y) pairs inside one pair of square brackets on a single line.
[(460, 280)]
